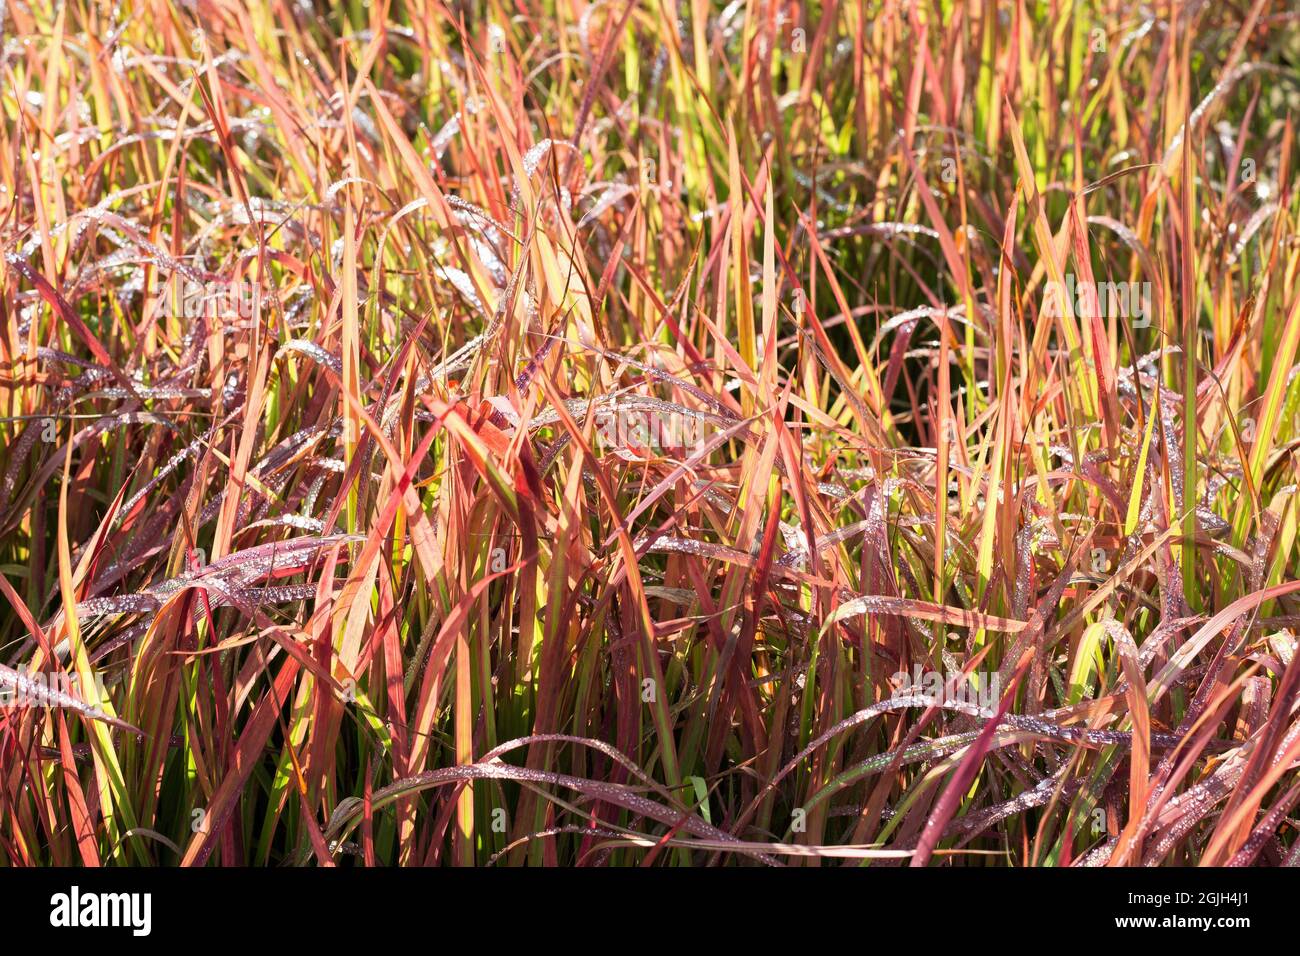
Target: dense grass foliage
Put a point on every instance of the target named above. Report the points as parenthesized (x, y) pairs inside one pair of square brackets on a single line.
[(634, 433)]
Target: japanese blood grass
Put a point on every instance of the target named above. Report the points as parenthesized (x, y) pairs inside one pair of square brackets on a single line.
[(338, 356)]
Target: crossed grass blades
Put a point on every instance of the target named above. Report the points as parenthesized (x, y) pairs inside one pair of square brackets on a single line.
[(365, 582)]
